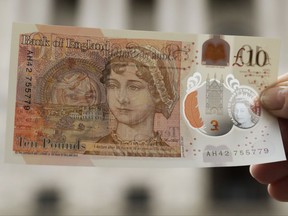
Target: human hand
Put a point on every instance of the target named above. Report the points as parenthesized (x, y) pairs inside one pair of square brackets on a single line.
[(275, 175)]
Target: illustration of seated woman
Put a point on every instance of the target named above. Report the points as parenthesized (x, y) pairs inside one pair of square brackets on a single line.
[(75, 89), (244, 115), (138, 87)]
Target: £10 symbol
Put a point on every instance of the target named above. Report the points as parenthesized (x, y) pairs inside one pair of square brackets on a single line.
[(246, 55)]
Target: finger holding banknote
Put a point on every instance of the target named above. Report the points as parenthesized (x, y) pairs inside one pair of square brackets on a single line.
[(275, 100)]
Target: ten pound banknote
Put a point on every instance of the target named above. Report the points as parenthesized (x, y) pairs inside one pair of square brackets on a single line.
[(80, 96)]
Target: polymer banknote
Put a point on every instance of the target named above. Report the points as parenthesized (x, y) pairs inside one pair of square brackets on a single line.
[(83, 96)]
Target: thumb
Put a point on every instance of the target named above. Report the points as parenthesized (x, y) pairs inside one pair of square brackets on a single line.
[(275, 100)]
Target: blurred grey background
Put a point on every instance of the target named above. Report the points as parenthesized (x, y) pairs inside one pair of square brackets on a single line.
[(47, 190)]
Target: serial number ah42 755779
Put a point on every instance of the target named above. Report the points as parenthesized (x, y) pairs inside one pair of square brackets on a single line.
[(228, 153)]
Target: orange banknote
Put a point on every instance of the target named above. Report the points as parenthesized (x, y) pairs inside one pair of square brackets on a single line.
[(81, 96)]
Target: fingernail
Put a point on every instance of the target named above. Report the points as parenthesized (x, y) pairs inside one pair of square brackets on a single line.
[(251, 170), (274, 98)]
